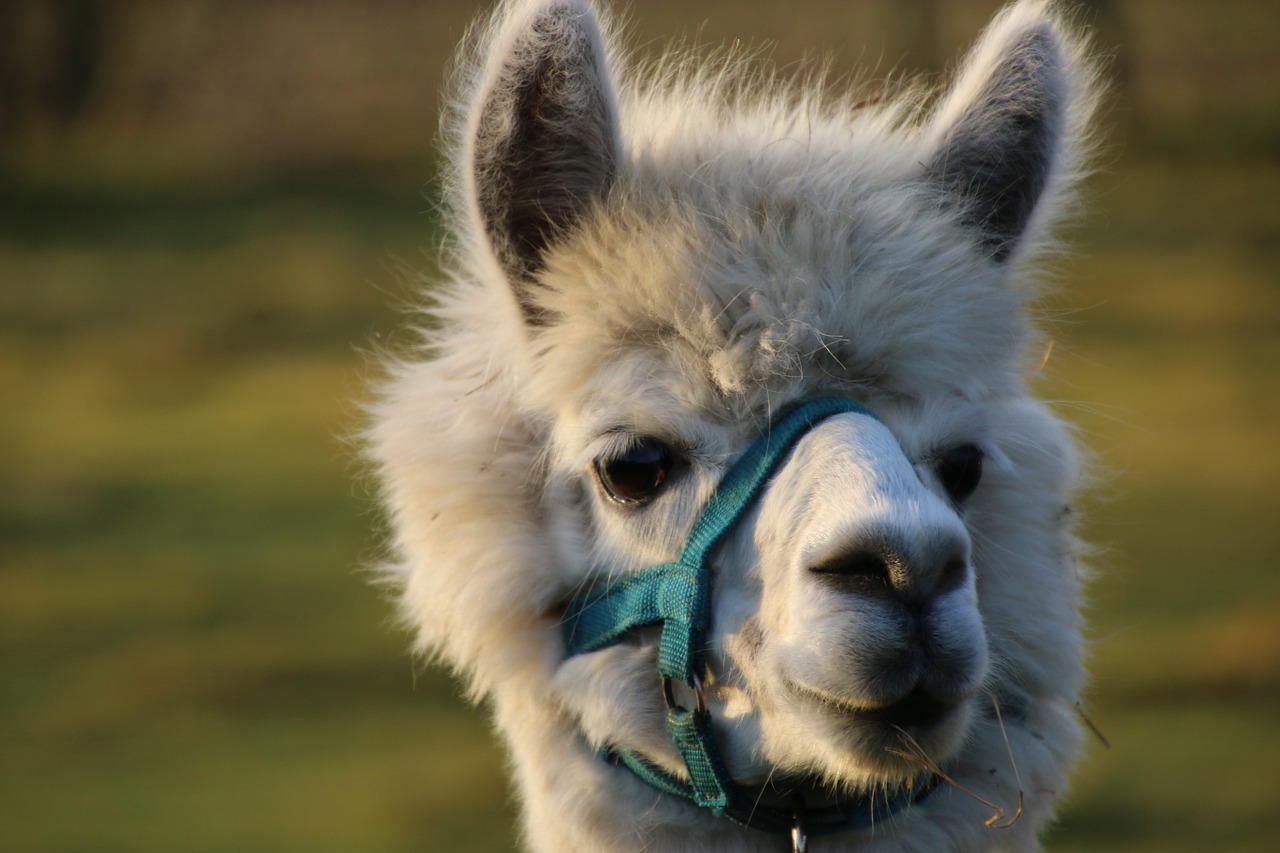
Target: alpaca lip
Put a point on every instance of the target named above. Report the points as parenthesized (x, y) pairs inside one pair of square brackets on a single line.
[(918, 709)]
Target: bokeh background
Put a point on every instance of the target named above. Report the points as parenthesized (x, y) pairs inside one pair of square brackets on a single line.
[(210, 213)]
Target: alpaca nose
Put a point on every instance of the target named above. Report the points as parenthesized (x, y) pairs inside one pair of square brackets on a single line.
[(890, 566)]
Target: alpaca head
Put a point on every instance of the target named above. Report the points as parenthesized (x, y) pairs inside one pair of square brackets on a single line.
[(649, 270)]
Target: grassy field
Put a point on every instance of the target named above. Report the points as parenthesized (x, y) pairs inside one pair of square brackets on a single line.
[(191, 651), (193, 658), (1171, 369)]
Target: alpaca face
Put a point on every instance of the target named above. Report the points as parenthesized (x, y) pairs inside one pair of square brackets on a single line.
[(845, 613), (645, 271)]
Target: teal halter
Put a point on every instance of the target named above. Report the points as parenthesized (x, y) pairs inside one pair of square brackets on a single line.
[(677, 596)]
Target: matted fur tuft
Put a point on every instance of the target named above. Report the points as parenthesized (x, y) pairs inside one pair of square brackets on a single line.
[(673, 254)]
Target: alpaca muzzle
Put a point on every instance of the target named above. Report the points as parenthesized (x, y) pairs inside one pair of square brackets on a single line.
[(677, 597)]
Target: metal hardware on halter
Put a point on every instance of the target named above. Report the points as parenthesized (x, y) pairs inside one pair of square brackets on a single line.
[(799, 828), (699, 695)]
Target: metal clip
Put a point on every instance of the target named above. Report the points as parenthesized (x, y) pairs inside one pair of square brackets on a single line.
[(699, 695), (799, 831)]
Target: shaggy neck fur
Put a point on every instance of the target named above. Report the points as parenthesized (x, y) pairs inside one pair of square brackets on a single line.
[(666, 259)]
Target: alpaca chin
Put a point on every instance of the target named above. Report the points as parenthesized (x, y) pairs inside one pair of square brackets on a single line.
[(852, 746)]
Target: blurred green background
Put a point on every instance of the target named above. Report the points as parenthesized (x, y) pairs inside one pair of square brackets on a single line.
[(209, 216)]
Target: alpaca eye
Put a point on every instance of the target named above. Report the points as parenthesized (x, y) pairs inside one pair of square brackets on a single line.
[(959, 470), (636, 474)]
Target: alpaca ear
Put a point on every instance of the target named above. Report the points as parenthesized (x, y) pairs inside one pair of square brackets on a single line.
[(997, 140), (544, 136)]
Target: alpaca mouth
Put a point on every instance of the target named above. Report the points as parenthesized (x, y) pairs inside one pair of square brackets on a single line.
[(918, 709)]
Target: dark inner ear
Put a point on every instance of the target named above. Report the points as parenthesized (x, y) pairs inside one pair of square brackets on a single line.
[(998, 157), (546, 146)]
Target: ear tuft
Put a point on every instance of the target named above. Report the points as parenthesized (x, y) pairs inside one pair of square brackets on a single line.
[(1006, 132), (543, 135)]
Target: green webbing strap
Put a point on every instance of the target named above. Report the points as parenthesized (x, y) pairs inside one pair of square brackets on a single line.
[(744, 481), (675, 595), (688, 729), (678, 596)]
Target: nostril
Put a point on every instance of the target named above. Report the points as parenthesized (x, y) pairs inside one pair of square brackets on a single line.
[(862, 572), (882, 572), (954, 573)]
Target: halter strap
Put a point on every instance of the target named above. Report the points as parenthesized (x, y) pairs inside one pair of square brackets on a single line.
[(678, 597)]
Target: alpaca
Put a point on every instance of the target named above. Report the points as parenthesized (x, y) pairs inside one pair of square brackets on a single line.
[(717, 473)]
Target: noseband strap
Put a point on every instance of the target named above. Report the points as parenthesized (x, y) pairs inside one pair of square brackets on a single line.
[(677, 596)]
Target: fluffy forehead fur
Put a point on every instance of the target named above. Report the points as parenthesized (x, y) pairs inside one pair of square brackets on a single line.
[(781, 232), (761, 295), (681, 250)]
